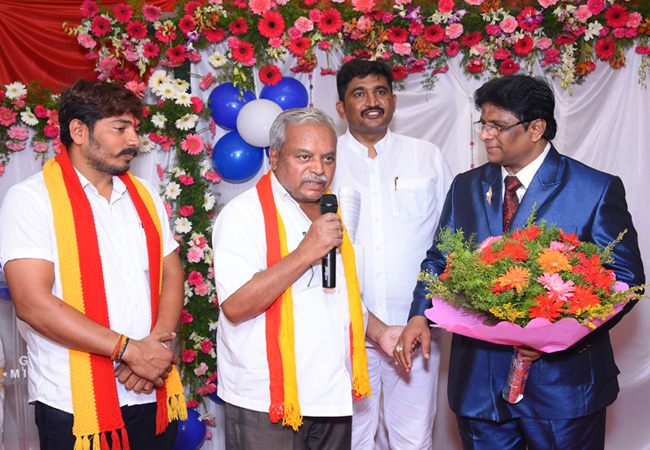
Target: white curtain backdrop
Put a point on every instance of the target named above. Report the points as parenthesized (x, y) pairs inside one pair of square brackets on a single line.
[(604, 123)]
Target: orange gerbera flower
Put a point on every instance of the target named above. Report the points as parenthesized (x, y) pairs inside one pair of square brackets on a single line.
[(553, 261), (583, 298), (514, 278), (527, 234), (547, 307)]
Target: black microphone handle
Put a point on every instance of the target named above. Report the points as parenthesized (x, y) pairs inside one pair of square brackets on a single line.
[(329, 269)]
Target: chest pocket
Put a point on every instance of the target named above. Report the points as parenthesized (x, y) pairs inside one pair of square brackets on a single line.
[(410, 197)]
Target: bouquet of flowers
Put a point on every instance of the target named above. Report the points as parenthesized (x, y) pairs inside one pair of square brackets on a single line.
[(537, 286)]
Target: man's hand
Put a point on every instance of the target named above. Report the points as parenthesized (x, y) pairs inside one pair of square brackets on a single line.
[(388, 338), (416, 333), (528, 353), (323, 235), (132, 382), (149, 359)]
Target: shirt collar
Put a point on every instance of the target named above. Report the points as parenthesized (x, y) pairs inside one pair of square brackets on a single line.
[(526, 174), (380, 146), (119, 187)]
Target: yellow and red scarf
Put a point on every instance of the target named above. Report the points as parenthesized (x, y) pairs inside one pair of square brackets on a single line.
[(280, 337), (94, 391)]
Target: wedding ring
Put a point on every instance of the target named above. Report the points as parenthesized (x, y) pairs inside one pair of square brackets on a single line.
[(398, 348), (164, 345)]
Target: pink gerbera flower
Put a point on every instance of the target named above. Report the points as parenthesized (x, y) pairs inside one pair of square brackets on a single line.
[(122, 12), (89, 8), (193, 144), (100, 25), (151, 13)]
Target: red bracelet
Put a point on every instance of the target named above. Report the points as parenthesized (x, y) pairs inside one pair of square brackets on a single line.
[(118, 347)]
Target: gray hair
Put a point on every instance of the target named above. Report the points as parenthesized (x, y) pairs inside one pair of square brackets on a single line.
[(297, 116)]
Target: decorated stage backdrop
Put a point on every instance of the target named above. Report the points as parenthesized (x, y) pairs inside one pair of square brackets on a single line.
[(594, 52)]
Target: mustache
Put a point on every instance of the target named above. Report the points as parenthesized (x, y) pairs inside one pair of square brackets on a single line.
[(372, 108), (129, 151), (314, 177)]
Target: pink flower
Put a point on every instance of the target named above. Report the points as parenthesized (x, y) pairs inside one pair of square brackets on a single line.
[(212, 176), (547, 3), (15, 146), (49, 130), (474, 2), (197, 104), (303, 24), (488, 242), (596, 6), (195, 278), (56, 145), (86, 41), (493, 29), (192, 403), (208, 389), (206, 346), (445, 6), (501, 54), (151, 12), (363, 5), (315, 15), (544, 43), (186, 317), (643, 50), (259, 6), (324, 45), (195, 254), (479, 48), (199, 242), (150, 50), (275, 42), (136, 88), (165, 146), (454, 30), (7, 116), (186, 210), (2, 169), (188, 355), (160, 171), (40, 147), (40, 111), (192, 144), (210, 273), (89, 8), (19, 133), (551, 56), (453, 48), (202, 289), (107, 64), (402, 49), (509, 24), (207, 81), (122, 12), (100, 26), (186, 180), (559, 289), (203, 368), (634, 20), (582, 13)]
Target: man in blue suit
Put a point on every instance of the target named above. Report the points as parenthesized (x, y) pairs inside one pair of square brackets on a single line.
[(567, 392)]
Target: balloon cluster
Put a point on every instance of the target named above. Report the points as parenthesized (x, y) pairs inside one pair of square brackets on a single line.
[(239, 154)]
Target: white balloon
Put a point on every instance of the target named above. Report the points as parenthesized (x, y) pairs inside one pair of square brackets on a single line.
[(255, 119)]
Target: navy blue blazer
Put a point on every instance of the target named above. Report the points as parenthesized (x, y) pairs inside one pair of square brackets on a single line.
[(580, 380)]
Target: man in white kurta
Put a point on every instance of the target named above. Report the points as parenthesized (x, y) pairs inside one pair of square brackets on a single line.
[(402, 182), (303, 159)]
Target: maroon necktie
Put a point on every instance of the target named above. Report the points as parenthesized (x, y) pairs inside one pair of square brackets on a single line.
[(510, 200)]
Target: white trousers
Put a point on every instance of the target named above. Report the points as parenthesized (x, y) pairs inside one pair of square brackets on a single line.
[(409, 403)]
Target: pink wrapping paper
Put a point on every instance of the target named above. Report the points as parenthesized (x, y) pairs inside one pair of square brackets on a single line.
[(539, 333)]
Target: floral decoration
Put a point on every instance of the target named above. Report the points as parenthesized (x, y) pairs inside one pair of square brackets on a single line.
[(538, 271)]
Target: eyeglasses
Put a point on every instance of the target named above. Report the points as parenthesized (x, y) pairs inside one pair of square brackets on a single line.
[(494, 130)]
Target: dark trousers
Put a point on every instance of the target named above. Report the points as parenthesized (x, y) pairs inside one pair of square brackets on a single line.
[(55, 428), (253, 430), (581, 433)]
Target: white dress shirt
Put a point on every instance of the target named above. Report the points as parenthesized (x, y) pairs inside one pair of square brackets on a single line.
[(27, 231), (321, 316), (402, 192)]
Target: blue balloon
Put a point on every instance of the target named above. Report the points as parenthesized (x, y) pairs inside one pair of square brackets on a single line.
[(225, 102), (215, 398), (288, 93), (236, 160), (191, 432)]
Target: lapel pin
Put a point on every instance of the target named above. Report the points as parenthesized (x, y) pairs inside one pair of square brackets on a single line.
[(488, 196)]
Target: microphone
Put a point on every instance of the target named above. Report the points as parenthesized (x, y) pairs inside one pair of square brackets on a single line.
[(328, 204)]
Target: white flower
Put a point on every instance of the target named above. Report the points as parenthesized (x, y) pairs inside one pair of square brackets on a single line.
[(28, 117), (217, 60), (187, 122), (212, 326), (158, 78), (593, 30), (183, 98), (173, 190), (181, 85), (208, 201), (177, 172), (158, 120), (166, 91), (182, 225), (15, 90), (204, 166), (146, 144)]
